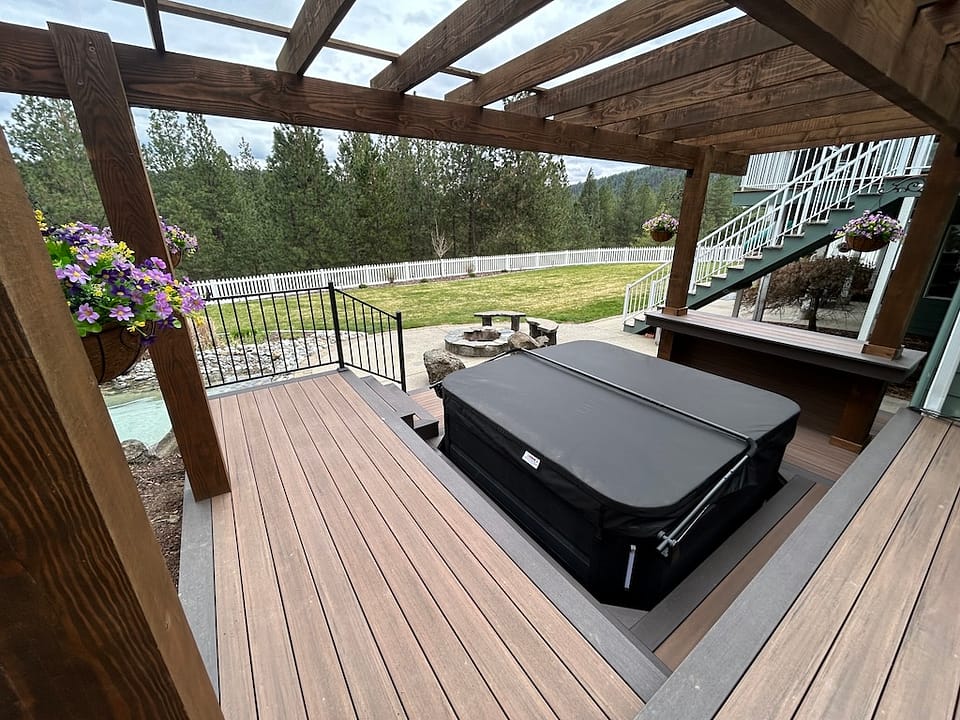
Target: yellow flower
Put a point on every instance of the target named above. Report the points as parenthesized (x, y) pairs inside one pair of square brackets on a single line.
[(38, 214)]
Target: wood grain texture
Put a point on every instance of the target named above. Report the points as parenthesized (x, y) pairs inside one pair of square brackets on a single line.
[(927, 226), (887, 46), (606, 687), (731, 42), (855, 670), (469, 26), (864, 134), (355, 524), (314, 25), (554, 680), (834, 112), (190, 84), (691, 217), (628, 24), (813, 90), (93, 80), (926, 673), (715, 85), (780, 675), (156, 29), (92, 624)]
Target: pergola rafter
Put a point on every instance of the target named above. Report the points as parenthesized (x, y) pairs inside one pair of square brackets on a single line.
[(464, 30), (621, 27), (728, 43), (314, 25)]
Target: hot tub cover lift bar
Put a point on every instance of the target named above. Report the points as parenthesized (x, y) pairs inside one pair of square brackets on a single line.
[(667, 540)]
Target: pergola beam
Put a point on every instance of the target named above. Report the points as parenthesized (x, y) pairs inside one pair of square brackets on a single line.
[(888, 46), (945, 17), (93, 83), (788, 64), (313, 27), (800, 94), (465, 29), (728, 43), (28, 65), (156, 30), (816, 138), (621, 27)]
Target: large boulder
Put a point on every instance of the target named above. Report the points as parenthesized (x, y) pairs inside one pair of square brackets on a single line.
[(136, 452), (440, 363), (167, 447), (521, 341)]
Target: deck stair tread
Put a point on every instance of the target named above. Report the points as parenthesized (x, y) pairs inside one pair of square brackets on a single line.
[(409, 410)]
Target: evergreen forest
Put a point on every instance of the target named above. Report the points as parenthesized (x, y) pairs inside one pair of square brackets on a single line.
[(383, 199)]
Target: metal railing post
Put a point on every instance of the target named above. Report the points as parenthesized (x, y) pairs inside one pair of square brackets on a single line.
[(336, 325), (403, 367)]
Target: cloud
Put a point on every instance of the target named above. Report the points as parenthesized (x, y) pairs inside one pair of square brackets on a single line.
[(368, 23)]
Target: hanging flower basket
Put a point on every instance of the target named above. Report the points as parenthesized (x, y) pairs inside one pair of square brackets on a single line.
[(112, 351), (865, 243), (870, 231), (662, 227), (179, 242)]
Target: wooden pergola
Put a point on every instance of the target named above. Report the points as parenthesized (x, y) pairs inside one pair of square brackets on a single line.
[(99, 625)]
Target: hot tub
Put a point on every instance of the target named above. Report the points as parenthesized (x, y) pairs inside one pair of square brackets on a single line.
[(627, 469)]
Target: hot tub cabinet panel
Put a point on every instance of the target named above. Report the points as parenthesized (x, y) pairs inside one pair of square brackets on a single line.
[(596, 468)]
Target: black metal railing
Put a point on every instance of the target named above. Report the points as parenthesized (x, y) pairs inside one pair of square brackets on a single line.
[(264, 335)]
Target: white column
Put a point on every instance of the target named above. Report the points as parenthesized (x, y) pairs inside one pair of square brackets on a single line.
[(883, 277)]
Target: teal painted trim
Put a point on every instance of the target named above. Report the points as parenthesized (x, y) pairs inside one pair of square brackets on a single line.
[(936, 352)]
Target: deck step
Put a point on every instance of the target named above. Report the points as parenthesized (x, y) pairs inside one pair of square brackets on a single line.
[(406, 408)]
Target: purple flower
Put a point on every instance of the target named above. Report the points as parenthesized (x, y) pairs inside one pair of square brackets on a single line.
[(88, 256), (87, 313), (121, 312), (75, 274)]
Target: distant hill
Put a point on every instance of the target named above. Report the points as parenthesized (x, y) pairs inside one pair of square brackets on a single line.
[(652, 176)]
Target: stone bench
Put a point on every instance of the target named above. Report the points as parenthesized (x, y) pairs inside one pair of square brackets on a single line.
[(487, 316), (541, 327)]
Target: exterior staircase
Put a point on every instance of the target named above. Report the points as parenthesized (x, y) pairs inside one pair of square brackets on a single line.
[(791, 222)]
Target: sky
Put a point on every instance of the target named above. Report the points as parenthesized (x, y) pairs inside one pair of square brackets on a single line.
[(390, 26)]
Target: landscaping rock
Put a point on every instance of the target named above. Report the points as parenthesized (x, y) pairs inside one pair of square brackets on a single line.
[(167, 447), (521, 341), (439, 364), (136, 452), (542, 341)]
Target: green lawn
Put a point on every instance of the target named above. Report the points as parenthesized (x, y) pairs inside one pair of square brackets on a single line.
[(566, 294)]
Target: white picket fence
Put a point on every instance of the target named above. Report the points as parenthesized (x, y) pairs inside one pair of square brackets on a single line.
[(351, 277)]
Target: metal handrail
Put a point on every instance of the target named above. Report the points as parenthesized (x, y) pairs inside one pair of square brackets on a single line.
[(829, 183)]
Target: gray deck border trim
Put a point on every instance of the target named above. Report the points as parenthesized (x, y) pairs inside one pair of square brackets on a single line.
[(639, 667), (196, 587), (657, 625), (704, 680)]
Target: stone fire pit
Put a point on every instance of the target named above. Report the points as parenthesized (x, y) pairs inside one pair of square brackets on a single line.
[(480, 341)]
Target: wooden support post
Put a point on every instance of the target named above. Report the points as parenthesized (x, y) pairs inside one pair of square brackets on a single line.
[(685, 247), (930, 218), (92, 626), (92, 76)]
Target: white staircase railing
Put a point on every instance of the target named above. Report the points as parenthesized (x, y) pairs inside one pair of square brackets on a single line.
[(829, 184)]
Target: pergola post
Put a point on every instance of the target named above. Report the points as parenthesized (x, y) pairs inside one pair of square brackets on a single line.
[(92, 76), (685, 246), (92, 626), (930, 218)]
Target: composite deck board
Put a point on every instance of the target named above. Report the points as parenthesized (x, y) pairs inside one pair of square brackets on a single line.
[(780, 676), (271, 652), (853, 674), (556, 683), (811, 450), (682, 640), (602, 682), (357, 585), (235, 675)]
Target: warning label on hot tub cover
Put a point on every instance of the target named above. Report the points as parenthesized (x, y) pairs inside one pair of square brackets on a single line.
[(530, 459)]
